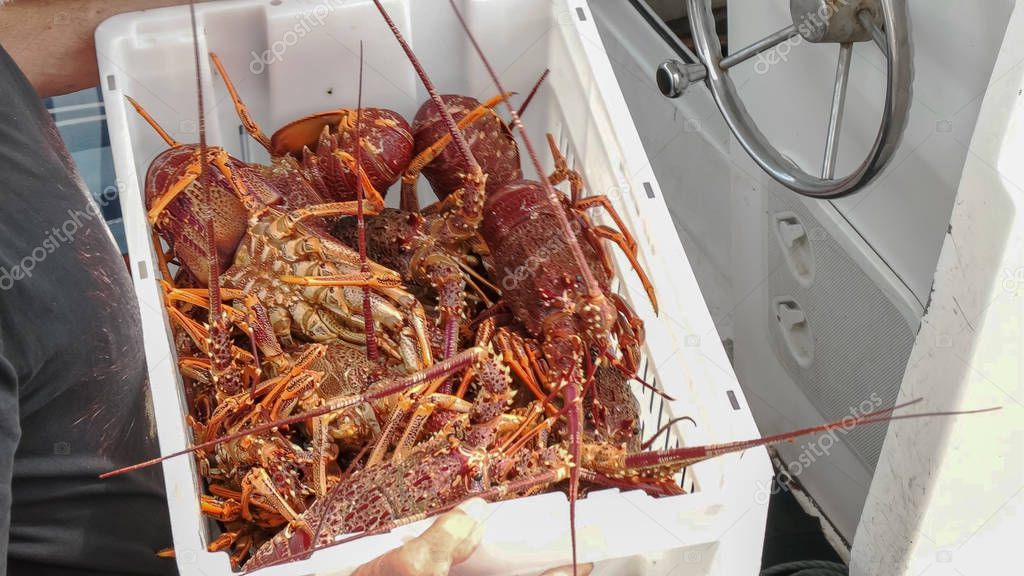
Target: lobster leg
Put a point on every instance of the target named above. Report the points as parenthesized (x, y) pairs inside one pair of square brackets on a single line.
[(622, 237), (563, 172), (623, 242), (484, 334), (321, 454), (597, 243), (162, 258), (261, 330), (198, 297), (394, 386), (370, 208), (223, 511), (258, 481), (602, 201), (388, 434), (513, 354), (423, 411), (354, 279), (192, 172), (289, 397), (630, 333)]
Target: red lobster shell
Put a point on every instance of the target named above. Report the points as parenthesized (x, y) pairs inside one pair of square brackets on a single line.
[(387, 147), (489, 138), (531, 256), (183, 222)]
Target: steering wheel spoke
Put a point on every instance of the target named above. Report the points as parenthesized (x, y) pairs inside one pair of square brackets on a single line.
[(758, 47), (835, 120)]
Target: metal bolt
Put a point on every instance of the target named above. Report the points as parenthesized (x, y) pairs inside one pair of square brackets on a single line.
[(674, 77)]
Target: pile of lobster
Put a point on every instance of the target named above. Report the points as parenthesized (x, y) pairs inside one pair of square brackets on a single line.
[(350, 367)]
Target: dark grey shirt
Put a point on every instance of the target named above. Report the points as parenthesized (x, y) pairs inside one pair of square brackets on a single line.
[(74, 399)]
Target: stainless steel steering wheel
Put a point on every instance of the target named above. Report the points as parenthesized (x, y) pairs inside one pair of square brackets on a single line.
[(845, 22)]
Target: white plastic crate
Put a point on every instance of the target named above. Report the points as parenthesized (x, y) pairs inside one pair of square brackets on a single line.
[(289, 58)]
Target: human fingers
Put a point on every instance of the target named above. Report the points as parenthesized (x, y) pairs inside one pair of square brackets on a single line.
[(448, 541)]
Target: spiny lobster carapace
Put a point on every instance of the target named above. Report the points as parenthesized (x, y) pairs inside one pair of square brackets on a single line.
[(321, 148)]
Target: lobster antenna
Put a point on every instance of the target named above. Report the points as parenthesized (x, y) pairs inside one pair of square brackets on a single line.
[(533, 92), (364, 266), (593, 289), (691, 455), (650, 441), (199, 95), (213, 282), (171, 142), (449, 122), (211, 236), (219, 340)]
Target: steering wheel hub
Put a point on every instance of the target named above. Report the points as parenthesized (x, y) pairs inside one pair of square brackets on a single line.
[(835, 21)]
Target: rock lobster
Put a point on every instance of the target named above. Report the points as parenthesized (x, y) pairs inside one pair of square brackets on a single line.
[(580, 337)]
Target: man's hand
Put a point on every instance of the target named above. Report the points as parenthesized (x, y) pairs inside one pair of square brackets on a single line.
[(450, 540), (52, 40)]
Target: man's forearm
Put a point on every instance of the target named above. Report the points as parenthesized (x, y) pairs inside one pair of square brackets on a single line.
[(52, 40)]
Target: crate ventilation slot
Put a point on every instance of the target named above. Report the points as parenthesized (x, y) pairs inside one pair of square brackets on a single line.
[(649, 189), (733, 400)]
